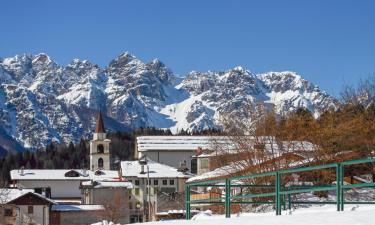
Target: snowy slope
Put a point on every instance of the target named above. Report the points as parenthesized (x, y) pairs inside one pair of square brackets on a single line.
[(58, 103)]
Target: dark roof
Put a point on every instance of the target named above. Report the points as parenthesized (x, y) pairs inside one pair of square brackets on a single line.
[(99, 124), (31, 198)]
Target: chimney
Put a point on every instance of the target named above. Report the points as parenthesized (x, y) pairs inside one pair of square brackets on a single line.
[(84, 172), (183, 168), (119, 172), (199, 151), (142, 169), (22, 171)]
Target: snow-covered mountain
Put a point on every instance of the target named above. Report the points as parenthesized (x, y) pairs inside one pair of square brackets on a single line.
[(41, 101)]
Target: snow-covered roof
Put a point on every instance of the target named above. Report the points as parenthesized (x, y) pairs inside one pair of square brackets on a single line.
[(231, 169), (270, 144), (8, 195), (108, 184), (229, 143), (157, 170), (67, 208), (218, 172), (176, 143), (57, 174)]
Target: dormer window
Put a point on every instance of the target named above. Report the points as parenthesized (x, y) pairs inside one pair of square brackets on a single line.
[(100, 148), (72, 173), (99, 172)]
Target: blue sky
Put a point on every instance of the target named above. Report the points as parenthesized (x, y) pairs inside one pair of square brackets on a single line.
[(330, 43)]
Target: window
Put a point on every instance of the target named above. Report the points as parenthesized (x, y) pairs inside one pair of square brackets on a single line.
[(204, 163), (100, 163), (100, 148), (168, 189), (156, 182), (171, 182), (38, 190), (8, 212), (30, 209), (193, 166), (149, 182), (136, 182), (165, 182)]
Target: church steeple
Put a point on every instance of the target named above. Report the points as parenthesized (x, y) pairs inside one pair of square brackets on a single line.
[(99, 124), (99, 147)]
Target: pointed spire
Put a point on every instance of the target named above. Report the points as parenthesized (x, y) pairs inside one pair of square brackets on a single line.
[(99, 124)]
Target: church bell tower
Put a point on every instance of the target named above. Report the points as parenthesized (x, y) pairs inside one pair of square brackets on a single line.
[(99, 147)]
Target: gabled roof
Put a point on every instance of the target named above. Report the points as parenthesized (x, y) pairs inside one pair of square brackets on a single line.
[(9, 196), (157, 170)]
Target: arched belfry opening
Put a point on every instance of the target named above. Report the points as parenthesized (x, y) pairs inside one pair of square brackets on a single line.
[(100, 163), (100, 148)]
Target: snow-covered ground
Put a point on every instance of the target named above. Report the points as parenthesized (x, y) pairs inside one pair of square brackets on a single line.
[(325, 215), (319, 215), (354, 214)]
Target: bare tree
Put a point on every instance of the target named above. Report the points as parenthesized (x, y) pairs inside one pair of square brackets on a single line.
[(363, 94), (115, 209)]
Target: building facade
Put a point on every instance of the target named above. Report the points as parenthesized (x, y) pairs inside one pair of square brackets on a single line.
[(24, 207), (149, 181), (173, 150), (113, 195)]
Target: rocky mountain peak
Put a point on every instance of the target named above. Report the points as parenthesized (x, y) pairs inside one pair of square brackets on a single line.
[(37, 96), (159, 69), (41, 58)]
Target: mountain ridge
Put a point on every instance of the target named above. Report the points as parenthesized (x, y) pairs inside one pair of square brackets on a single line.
[(38, 96)]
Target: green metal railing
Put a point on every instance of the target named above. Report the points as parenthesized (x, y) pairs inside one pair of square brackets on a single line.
[(279, 192)]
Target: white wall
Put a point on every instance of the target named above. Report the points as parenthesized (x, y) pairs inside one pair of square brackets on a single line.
[(170, 158), (36, 217), (59, 188)]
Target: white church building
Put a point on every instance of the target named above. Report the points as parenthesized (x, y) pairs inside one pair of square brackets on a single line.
[(65, 183)]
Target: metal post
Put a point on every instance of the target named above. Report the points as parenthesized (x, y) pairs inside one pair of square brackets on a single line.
[(338, 187), (342, 198), (289, 202), (187, 202), (148, 194), (278, 197), (227, 198)]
